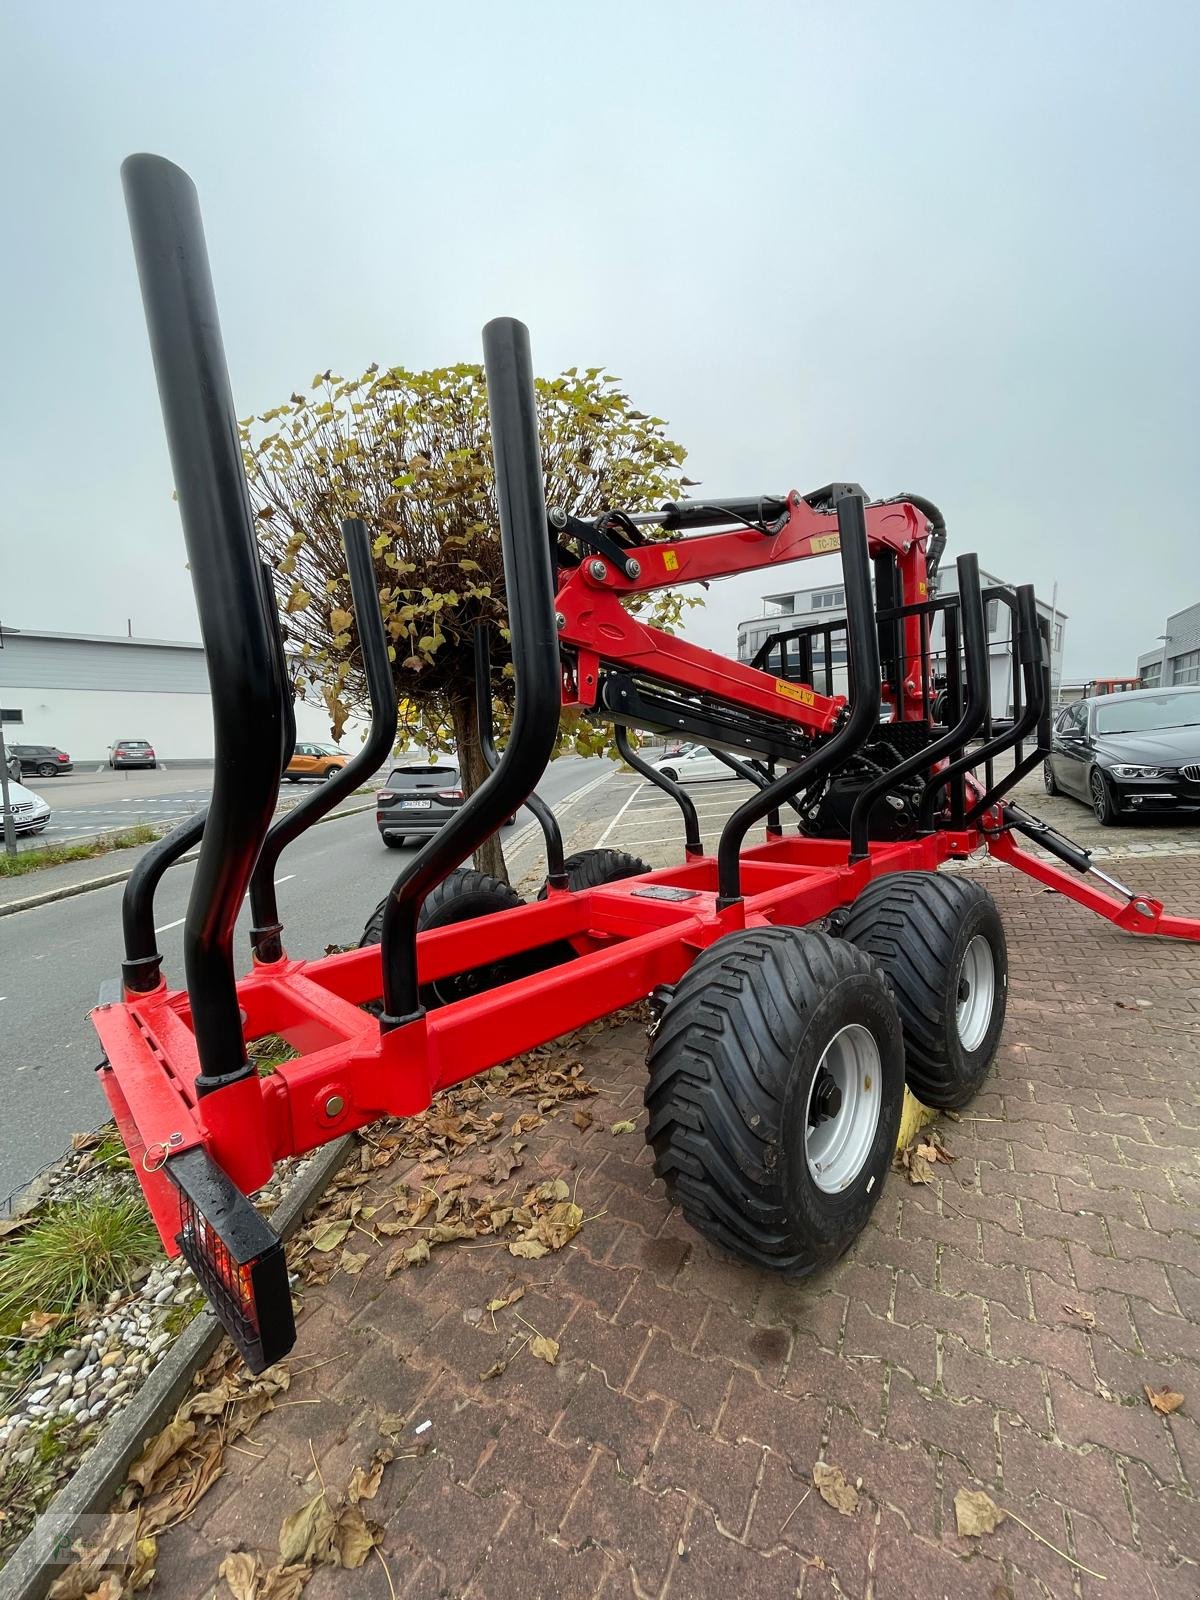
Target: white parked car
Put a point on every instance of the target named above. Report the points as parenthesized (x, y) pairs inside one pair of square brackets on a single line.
[(693, 764), (30, 813)]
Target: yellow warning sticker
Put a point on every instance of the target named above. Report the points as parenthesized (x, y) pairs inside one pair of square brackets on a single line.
[(923, 589), (824, 542), (670, 561), (794, 691)]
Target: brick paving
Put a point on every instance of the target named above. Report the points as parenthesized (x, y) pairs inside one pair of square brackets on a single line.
[(994, 1332)]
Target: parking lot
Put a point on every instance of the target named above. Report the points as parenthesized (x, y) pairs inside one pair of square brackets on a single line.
[(647, 823), (93, 799)]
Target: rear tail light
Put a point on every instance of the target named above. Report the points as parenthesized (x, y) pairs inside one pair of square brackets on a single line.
[(449, 794), (237, 1257), (64, 758)]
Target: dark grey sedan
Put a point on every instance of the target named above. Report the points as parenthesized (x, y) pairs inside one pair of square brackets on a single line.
[(1129, 755)]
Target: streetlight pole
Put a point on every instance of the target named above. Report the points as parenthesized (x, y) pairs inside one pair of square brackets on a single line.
[(10, 836)]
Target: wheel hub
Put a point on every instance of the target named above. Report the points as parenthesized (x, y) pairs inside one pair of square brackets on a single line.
[(844, 1103), (976, 993), (826, 1099)]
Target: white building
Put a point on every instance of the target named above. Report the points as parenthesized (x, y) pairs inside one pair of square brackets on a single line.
[(802, 608), (83, 691)]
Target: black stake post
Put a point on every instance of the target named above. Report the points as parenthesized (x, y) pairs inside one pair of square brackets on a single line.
[(556, 874), (862, 644), (142, 965), (266, 929), (529, 586), (692, 843), (974, 632), (214, 506)]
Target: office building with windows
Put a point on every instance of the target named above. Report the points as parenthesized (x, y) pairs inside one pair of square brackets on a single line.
[(1175, 660), (803, 608)]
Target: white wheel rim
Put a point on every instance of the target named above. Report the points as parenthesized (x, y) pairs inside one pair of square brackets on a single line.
[(842, 1113), (976, 992)]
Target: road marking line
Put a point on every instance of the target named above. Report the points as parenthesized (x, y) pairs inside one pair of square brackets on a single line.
[(178, 923), (604, 836)]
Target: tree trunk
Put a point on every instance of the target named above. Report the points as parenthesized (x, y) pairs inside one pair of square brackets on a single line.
[(473, 770)]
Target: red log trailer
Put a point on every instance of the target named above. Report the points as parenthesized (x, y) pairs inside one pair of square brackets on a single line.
[(797, 980)]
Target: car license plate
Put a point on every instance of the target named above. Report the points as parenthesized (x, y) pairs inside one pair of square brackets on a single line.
[(413, 805)]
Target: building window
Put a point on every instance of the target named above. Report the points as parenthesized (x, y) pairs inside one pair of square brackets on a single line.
[(993, 618), (1152, 675), (828, 599), (1186, 668), (1058, 627)]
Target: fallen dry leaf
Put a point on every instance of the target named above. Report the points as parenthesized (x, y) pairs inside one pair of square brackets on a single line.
[(164, 1447), (364, 1481), (528, 1249), (830, 1483), (494, 1371), (353, 1537), (976, 1513), (307, 1535), (553, 1189), (416, 1255), (582, 1119), (1163, 1400), (241, 1572), (38, 1322), (353, 1262), (445, 1232), (544, 1349), (330, 1235), (920, 1156), (624, 1127), (285, 1583), (1086, 1318), (509, 1299)]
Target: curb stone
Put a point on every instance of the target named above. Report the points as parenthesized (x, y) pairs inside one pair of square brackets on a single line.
[(102, 1471), (69, 890)]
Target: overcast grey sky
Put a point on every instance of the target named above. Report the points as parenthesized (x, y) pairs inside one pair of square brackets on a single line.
[(950, 248)]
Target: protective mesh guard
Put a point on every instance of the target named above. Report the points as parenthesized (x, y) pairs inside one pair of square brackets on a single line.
[(237, 1257)]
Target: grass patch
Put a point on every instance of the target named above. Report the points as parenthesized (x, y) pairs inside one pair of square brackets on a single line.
[(27, 1486), (79, 1251), (178, 1317), (110, 1153), (57, 855)]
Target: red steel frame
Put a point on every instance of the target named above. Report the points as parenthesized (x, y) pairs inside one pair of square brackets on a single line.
[(349, 1073), (627, 944)]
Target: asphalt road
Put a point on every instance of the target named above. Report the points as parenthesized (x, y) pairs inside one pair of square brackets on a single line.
[(53, 959)]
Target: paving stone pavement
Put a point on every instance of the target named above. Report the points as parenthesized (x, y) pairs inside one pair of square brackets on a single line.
[(994, 1331)]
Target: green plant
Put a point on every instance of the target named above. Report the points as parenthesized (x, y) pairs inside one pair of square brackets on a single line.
[(178, 1317), (410, 453), (56, 855), (26, 1486), (80, 1250), (110, 1153)]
